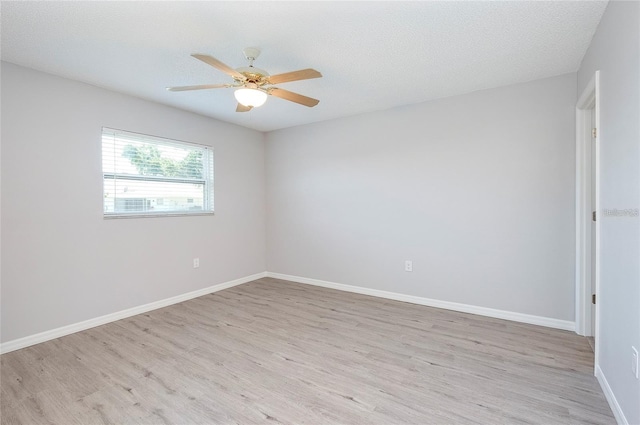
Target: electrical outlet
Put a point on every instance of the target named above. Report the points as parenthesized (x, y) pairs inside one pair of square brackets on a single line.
[(196, 263), (634, 361), (408, 266)]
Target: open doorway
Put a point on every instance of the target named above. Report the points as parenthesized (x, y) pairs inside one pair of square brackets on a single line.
[(587, 212)]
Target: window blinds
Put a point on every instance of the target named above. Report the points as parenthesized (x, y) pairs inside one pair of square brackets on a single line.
[(147, 175)]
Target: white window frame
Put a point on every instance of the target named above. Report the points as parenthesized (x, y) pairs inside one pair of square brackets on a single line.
[(207, 181)]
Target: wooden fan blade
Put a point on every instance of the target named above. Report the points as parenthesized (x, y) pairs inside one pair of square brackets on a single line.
[(219, 65), (303, 74), (242, 108), (293, 97), (200, 87)]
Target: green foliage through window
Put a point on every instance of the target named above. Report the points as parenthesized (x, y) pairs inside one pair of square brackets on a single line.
[(149, 161)]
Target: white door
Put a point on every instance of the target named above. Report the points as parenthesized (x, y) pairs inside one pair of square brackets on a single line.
[(593, 223), (595, 214)]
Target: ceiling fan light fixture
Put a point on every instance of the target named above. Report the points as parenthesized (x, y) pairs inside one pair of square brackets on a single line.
[(250, 97)]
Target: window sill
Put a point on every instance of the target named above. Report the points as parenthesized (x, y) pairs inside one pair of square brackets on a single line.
[(154, 215)]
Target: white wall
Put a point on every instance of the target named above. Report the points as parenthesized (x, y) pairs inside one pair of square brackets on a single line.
[(63, 263), (615, 51), (477, 190)]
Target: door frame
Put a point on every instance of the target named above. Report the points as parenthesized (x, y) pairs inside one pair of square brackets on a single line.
[(589, 99)]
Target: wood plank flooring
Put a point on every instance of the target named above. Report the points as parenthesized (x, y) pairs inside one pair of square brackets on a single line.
[(272, 351)]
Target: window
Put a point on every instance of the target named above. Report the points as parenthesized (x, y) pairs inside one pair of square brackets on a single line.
[(150, 176)]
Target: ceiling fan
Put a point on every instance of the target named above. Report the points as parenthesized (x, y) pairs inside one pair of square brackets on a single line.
[(255, 84)]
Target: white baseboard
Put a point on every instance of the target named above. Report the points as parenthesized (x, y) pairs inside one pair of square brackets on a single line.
[(27, 341), (448, 305), (611, 398)]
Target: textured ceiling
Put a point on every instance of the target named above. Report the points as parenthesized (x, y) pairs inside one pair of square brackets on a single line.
[(373, 55)]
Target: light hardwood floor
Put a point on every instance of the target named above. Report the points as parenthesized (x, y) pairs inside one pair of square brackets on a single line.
[(272, 351)]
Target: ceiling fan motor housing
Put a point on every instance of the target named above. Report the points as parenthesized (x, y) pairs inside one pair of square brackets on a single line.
[(254, 75)]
